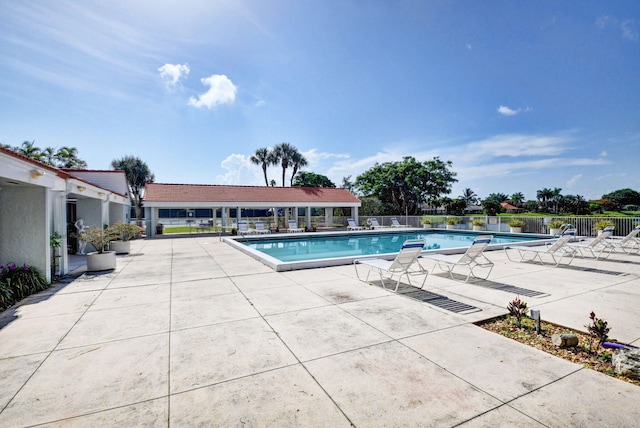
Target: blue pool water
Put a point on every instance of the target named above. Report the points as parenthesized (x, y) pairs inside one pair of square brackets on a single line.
[(316, 246)]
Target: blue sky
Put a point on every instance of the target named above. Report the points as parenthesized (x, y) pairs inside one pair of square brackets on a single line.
[(518, 95)]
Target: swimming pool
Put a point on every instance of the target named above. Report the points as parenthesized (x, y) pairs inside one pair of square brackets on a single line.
[(300, 251)]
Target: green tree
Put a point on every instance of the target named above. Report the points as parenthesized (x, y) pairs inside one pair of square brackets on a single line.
[(491, 207), (623, 197), (283, 154), (454, 206), (297, 161), (264, 158), (407, 184), (138, 175), (348, 184), (469, 196), (310, 179), (544, 196), (67, 157), (517, 199), (556, 197), (30, 150), (497, 197)]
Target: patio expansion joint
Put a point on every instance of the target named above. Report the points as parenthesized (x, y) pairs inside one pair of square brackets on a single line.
[(54, 349)]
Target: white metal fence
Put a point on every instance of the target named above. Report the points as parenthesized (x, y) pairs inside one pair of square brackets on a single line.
[(585, 225)]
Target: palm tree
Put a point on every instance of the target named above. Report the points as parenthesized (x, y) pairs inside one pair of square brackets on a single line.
[(469, 197), (517, 199), (138, 175), (30, 150), (283, 153), (264, 158), (543, 196), (67, 157), (298, 161), (49, 156), (556, 197)]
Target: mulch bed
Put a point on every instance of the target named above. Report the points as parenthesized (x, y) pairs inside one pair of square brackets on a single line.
[(599, 359)]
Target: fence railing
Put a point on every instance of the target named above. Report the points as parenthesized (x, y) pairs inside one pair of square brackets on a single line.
[(585, 226)]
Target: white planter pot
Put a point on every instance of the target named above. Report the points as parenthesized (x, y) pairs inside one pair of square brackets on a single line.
[(120, 247), (426, 226), (450, 226), (97, 262), (477, 228), (515, 229), (554, 232)]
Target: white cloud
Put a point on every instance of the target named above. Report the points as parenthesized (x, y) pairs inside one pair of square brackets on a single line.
[(516, 145), (604, 153), (172, 73), (573, 180), (628, 30), (506, 111), (240, 171), (626, 27), (221, 91)]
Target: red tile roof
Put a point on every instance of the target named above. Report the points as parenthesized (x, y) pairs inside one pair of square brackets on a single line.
[(158, 192)]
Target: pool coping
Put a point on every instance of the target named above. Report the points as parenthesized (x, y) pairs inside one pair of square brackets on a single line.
[(282, 266)]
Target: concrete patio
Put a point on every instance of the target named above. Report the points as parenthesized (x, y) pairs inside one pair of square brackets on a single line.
[(191, 332)]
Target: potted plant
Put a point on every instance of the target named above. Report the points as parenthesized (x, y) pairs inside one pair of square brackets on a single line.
[(516, 225), (124, 233), (601, 225), (477, 224), (99, 238), (554, 227), (426, 222), (451, 223)]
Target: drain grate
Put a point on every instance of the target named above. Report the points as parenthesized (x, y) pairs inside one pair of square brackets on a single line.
[(442, 302), (513, 289)]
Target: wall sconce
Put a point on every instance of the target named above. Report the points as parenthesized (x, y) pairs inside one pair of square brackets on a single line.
[(36, 173), (81, 189), (101, 194)]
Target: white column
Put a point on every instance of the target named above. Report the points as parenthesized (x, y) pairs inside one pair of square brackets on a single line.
[(308, 218), (328, 216)]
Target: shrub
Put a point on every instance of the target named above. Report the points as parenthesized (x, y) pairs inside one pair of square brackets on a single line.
[(425, 220), (518, 309), (451, 221), (127, 231), (98, 237), (555, 224), (598, 329), (602, 224), (516, 223), (21, 281), (477, 222), (6, 295)]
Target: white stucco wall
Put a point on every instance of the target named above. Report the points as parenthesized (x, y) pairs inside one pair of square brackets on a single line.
[(24, 226)]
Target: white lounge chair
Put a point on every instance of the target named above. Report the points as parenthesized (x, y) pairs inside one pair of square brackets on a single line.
[(558, 248), (353, 225), (471, 259), (243, 228), (373, 222), (293, 227), (260, 229), (396, 223), (630, 244), (405, 263), (596, 246)]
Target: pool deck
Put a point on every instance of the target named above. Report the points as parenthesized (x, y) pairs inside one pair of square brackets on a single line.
[(192, 332)]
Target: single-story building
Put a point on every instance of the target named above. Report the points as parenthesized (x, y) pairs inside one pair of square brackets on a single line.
[(217, 202), (38, 200)]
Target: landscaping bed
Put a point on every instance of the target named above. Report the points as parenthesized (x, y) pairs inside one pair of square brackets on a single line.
[(599, 359)]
